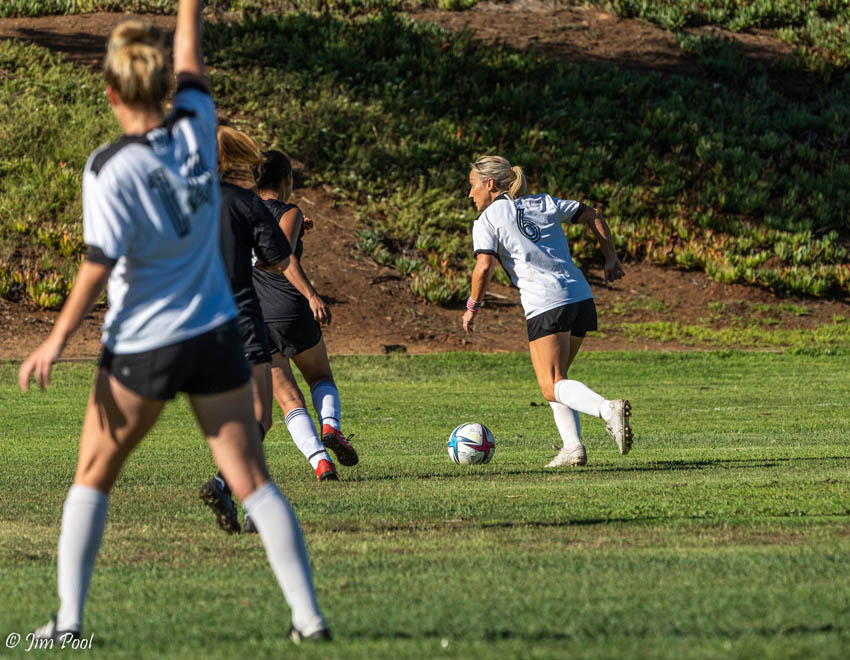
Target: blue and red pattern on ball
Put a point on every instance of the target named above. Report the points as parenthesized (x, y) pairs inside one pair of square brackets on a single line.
[(486, 446)]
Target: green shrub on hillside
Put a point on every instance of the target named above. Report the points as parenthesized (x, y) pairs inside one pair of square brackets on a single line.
[(726, 173), (748, 183), (56, 114), (819, 28)]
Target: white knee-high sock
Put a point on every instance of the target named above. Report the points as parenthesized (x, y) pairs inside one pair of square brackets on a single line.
[(568, 423), (303, 432), (287, 554), (326, 402), (579, 396), (83, 521)]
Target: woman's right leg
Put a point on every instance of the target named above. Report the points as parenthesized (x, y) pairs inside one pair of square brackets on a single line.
[(552, 356), (116, 420), (298, 421), (316, 369), (228, 422)]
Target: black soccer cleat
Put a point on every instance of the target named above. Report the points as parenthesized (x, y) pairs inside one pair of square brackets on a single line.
[(49, 632), (220, 501), (323, 635)]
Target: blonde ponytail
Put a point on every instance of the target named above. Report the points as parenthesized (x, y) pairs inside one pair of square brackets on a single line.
[(519, 187), (508, 180), (135, 65)]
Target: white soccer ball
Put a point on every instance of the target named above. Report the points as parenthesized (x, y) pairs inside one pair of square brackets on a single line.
[(471, 443)]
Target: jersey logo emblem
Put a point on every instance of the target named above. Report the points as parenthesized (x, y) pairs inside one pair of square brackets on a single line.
[(527, 227)]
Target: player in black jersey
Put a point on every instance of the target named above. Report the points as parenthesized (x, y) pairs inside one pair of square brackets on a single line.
[(246, 228), (293, 312)]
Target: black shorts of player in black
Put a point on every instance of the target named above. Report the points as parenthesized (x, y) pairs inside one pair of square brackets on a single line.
[(291, 337), (186, 366), (576, 318), (254, 336), (246, 226), (291, 326)]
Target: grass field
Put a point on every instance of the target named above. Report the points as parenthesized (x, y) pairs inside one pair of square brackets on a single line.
[(724, 534)]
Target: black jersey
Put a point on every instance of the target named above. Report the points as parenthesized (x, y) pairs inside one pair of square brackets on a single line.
[(278, 297), (247, 225)]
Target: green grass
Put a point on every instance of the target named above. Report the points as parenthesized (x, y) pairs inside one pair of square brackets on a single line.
[(743, 332), (724, 534)]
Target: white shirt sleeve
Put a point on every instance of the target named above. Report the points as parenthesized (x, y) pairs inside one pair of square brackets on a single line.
[(107, 223), (484, 239), (199, 104), (568, 209)]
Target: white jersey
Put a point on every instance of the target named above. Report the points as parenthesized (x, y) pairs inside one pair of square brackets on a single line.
[(150, 210), (527, 238)]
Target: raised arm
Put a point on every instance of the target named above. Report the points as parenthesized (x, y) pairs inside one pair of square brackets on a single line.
[(599, 228), (187, 39)]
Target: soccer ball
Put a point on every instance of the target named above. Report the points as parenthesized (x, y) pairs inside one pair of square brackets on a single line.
[(471, 443)]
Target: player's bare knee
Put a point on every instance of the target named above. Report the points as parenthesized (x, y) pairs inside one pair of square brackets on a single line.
[(548, 390)]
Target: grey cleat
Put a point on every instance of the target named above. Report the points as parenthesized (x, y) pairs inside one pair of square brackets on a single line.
[(569, 458), (618, 425)]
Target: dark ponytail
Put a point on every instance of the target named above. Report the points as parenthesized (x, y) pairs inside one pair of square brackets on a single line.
[(274, 170)]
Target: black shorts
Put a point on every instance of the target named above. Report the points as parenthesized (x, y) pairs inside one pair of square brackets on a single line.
[(289, 337), (210, 363), (255, 339), (576, 318)]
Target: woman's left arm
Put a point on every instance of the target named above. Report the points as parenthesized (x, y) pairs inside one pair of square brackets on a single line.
[(599, 228), (88, 286)]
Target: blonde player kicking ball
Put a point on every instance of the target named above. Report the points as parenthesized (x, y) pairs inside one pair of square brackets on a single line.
[(523, 232), (150, 218)]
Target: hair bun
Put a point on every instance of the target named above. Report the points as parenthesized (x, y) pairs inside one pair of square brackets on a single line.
[(135, 65), (136, 32)]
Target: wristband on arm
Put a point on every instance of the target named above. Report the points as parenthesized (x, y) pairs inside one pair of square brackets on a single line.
[(473, 305)]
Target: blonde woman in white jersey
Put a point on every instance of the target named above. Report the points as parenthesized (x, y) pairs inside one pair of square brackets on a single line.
[(150, 217), (524, 233)]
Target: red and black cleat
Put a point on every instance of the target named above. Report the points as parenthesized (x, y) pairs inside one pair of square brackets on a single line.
[(334, 440), (326, 471)]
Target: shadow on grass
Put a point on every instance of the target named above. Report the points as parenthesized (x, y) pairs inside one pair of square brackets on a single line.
[(552, 636), (483, 472), (725, 463)]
